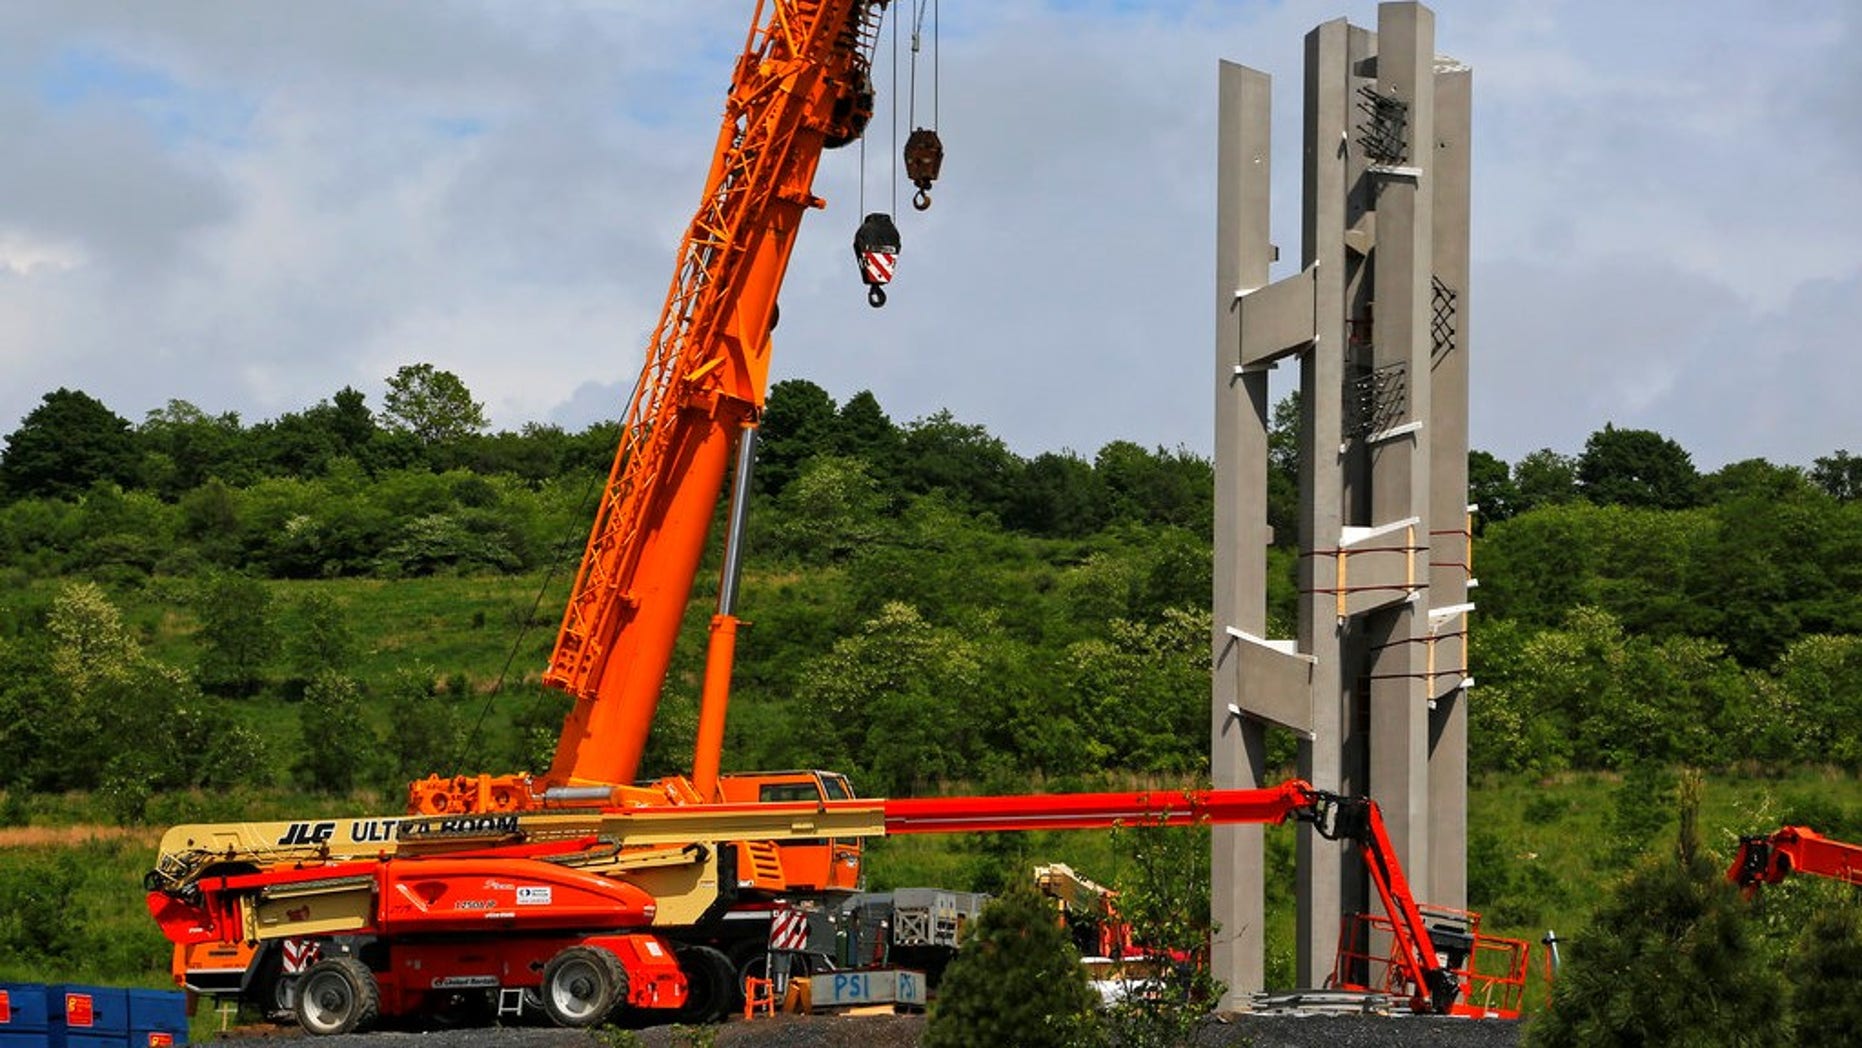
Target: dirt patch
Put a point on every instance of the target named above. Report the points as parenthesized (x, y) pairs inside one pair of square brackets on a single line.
[(72, 836)]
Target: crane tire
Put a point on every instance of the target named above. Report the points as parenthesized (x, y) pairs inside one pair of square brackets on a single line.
[(712, 988), (581, 985), (337, 995)]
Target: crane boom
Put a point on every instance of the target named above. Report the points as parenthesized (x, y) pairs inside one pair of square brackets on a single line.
[(1768, 858), (800, 86)]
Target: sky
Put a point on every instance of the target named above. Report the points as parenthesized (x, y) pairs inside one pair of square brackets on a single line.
[(249, 206)]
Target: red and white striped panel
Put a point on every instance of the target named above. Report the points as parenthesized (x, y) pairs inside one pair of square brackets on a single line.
[(878, 266), (788, 929), (299, 954)]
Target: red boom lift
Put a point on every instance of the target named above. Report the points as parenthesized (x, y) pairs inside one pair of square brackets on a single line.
[(1768, 858)]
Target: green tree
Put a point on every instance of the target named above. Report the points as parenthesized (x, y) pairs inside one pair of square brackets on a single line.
[(1058, 495), (424, 726), (1160, 487), (66, 444), (1839, 475), (1545, 478), (1143, 688), (1669, 958), (829, 511), (340, 751), (432, 405), (1637, 467), (237, 633), (1756, 479), (1163, 895), (892, 700), (1490, 487), (317, 638), (862, 428), (1016, 980), (182, 446), (799, 422), (973, 468), (1821, 970), (1817, 702)]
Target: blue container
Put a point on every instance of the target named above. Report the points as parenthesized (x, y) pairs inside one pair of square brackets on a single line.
[(157, 1017), (24, 1009)]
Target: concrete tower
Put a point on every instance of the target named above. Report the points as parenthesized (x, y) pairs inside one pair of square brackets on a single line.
[(1375, 685)]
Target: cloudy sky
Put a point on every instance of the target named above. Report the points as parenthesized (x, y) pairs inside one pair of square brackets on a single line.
[(250, 204)]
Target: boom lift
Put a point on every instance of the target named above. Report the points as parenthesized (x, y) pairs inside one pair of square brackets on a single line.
[(1769, 858), (572, 906)]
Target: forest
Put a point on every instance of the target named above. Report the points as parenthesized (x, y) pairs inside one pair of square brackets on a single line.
[(927, 606)]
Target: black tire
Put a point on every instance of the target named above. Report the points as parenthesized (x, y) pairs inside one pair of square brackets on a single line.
[(712, 989), (337, 995), (581, 985), (461, 1009), (272, 991)]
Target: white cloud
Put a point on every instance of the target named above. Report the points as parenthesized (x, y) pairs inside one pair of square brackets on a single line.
[(267, 207)]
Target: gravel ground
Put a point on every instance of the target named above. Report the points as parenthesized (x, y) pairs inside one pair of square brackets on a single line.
[(903, 1031)]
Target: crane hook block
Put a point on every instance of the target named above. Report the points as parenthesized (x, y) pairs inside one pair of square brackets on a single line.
[(924, 156), (876, 249)]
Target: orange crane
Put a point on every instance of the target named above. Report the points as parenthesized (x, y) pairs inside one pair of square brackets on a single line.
[(802, 85)]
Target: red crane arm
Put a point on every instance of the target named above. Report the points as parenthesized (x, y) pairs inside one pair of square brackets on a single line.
[(800, 86), (1794, 849), (1091, 811)]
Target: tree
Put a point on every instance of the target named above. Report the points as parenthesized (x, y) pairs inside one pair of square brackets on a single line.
[(1545, 478), (1756, 478), (1016, 980), (1821, 969), (434, 406), (799, 421), (424, 729), (1637, 467), (976, 470), (65, 445), (862, 429), (317, 639), (1669, 958), (1491, 487), (340, 749), (828, 511), (237, 635), (1839, 475), (1163, 895), (182, 446), (892, 700)]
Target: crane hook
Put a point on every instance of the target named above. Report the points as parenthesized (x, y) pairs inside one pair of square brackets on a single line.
[(924, 158), (876, 249)]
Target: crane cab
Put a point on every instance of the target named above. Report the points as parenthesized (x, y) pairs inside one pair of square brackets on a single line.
[(811, 864)]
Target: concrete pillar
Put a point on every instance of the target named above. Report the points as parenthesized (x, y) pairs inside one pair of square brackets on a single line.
[(1376, 316), (1238, 755)]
